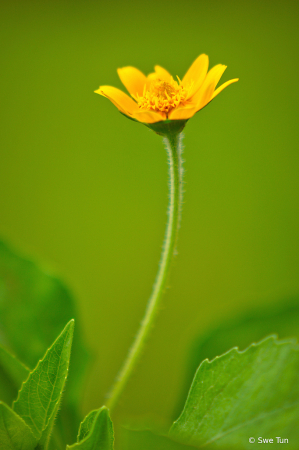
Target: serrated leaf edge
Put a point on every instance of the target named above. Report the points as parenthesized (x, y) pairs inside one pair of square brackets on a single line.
[(24, 382), (275, 341), (80, 426), (274, 338), (103, 408)]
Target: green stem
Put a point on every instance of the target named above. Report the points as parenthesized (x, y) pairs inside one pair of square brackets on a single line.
[(173, 143)]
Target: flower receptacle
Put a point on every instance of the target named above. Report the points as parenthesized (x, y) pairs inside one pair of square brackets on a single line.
[(167, 127)]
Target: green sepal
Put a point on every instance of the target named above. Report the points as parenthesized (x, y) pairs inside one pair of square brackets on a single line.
[(96, 432), (14, 433), (40, 395), (240, 394), (165, 127)]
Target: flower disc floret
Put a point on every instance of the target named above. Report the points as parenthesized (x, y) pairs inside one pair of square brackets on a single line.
[(163, 96)]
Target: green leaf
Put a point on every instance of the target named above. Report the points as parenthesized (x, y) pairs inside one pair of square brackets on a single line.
[(281, 318), (241, 395), (41, 393), (96, 432), (31, 302), (12, 375), (86, 425), (30, 305), (14, 433)]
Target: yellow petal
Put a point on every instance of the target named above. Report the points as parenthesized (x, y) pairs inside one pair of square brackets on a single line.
[(196, 73), (148, 116), (160, 73), (133, 79), (163, 74), (121, 100), (207, 96), (200, 98), (223, 86), (185, 112)]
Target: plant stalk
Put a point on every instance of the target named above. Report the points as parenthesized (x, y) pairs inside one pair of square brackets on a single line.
[(173, 144)]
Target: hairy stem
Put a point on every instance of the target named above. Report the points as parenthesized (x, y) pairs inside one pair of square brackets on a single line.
[(173, 143)]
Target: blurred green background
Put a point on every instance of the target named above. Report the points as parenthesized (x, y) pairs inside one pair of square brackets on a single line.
[(85, 191)]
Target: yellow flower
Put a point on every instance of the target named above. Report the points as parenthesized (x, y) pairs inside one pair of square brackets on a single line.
[(158, 97)]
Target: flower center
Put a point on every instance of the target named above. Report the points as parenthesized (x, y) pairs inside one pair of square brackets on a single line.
[(163, 96)]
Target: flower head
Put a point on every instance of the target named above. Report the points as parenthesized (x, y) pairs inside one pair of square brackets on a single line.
[(158, 97)]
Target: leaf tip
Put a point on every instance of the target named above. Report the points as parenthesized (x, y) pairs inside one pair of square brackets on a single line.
[(70, 326)]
